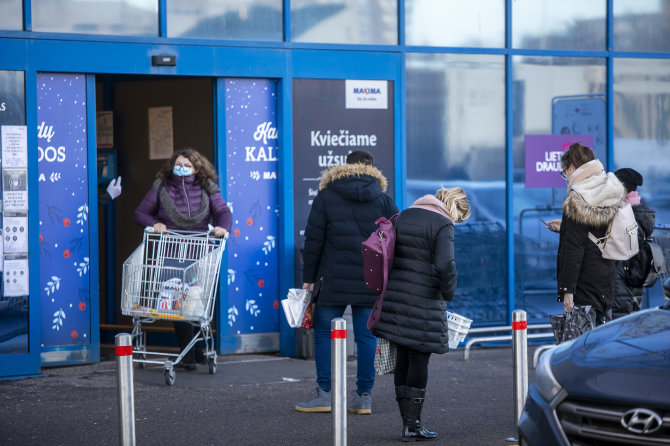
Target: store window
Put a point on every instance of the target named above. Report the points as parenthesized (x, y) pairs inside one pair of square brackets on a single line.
[(564, 25), (551, 95), (373, 22), (642, 25), (14, 232), (120, 17), (248, 20), (11, 15), (642, 138), (456, 137), (475, 23)]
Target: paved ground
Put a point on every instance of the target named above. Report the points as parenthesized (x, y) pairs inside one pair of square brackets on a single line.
[(249, 401)]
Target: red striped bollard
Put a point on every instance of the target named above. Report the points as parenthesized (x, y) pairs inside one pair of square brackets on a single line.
[(124, 368), (338, 388), (520, 351)]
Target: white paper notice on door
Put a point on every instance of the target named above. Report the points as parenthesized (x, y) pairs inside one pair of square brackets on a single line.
[(15, 234), (14, 146), (15, 277), (161, 144), (14, 190)]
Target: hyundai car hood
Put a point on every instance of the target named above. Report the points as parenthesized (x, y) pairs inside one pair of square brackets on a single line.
[(624, 361)]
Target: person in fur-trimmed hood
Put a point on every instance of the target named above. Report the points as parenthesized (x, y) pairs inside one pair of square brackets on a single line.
[(594, 197), (351, 198)]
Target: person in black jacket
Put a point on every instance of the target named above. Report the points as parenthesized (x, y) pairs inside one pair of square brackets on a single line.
[(422, 279), (628, 296), (594, 197), (351, 198)]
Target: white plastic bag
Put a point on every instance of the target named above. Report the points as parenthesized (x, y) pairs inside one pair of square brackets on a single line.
[(295, 305), (193, 302)]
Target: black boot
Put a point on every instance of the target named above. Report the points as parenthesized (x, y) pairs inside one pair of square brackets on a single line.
[(414, 430), (403, 402)]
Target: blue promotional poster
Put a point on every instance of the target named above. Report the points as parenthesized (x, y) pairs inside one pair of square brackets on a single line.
[(251, 162), (63, 209)]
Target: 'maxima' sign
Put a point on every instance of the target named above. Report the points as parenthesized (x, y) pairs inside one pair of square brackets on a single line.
[(366, 94), (543, 158)]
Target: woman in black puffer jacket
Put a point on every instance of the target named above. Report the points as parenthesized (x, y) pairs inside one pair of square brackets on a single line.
[(422, 279)]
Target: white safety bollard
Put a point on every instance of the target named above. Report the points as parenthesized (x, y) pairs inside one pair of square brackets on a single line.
[(338, 388), (124, 368), (520, 352)]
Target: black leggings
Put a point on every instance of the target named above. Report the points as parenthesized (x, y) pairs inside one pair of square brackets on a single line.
[(412, 368)]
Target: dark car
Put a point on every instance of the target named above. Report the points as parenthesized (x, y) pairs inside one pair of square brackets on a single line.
[(610, 386)]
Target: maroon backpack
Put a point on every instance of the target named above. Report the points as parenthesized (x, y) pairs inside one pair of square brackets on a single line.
[(378, 252)]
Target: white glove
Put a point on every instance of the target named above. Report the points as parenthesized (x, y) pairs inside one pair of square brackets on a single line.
[(114, 188)]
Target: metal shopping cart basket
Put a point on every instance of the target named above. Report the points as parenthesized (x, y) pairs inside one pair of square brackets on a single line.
[(172, 276)]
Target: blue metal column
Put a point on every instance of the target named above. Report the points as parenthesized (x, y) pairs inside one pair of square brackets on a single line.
[(610, 86), (94, 273), (509, 157), (287, 338), (219, 112)]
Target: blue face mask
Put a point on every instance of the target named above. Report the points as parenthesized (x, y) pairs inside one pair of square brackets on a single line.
[(182, 171)]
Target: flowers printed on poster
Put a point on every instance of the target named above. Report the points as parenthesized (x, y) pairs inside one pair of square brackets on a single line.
[(83, 267), (77, 243), (231, 276), (252, 307), (232, 315), (253, 277), (268, 244), (54, 213), (59, 315), (84, 298), (82, 214), (52, 285)]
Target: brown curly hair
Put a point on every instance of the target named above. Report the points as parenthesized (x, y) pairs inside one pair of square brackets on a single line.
[(203, 168)]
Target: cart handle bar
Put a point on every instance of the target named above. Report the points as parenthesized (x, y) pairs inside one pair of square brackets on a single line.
[(210, 230)]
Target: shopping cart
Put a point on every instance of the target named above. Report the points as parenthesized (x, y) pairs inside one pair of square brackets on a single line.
[(172, 276)]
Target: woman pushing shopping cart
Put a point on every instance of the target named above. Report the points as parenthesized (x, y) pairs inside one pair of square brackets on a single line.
[(184, 200)]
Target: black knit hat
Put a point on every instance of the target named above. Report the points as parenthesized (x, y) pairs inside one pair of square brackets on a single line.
[(630, 178)]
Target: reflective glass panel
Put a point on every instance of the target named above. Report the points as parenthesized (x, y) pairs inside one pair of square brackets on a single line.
[(11, 15), (475, 23), (13, 309), (456, 137), (551, 95), (372, 22), (564, 25), (216, 19), (113, 17), (642, 25), (642, 140)]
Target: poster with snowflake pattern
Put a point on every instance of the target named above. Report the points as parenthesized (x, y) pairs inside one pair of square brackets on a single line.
[(63, 209), (251, 164)]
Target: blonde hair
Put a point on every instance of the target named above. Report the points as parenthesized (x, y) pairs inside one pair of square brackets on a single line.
[(456, 201)]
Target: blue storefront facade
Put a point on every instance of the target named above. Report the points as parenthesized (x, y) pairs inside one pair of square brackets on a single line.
[(442, 92)]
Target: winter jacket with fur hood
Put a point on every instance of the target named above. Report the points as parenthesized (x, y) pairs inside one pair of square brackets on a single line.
[(351, 198), (422, 279), (593, 200)]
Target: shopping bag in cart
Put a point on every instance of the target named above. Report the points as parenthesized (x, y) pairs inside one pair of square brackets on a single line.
[(193, 302), (170, 295), (295, 306)]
